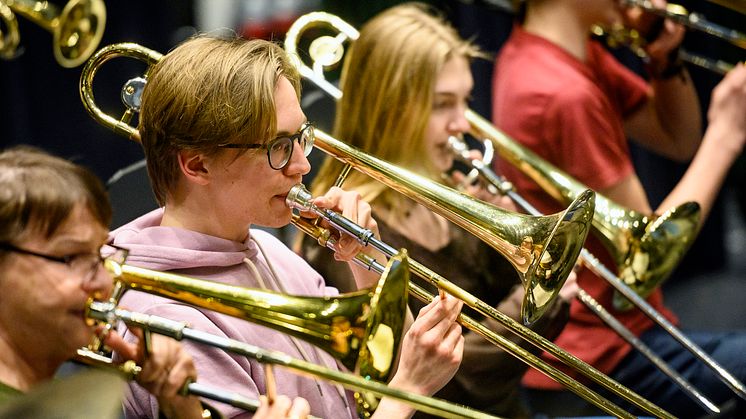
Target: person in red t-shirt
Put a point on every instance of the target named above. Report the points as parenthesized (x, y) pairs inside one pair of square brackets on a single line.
[(565, 97)]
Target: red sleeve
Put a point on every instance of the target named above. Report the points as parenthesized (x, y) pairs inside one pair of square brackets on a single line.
[(590, 144), (626, 90)]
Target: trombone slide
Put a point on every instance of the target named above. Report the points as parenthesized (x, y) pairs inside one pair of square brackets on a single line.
[(107, 312)]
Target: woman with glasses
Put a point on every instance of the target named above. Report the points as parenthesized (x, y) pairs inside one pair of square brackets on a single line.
[(219, 122), (53, 222), (406, 83)]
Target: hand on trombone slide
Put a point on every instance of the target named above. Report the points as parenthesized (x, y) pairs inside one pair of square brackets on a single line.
[(282, 407), (663, 35), (166, 367), (431, 351), (479, 189), (354, 208)]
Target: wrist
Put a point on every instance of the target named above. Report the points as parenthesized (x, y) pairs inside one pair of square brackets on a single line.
[(185, 408), (673, 68)]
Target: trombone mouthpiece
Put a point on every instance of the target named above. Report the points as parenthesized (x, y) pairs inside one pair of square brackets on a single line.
[(299, 198)]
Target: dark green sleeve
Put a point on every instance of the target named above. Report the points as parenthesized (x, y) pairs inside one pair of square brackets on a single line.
[(8, 394)]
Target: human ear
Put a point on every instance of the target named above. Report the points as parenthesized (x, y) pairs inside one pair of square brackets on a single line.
[(193, 166)]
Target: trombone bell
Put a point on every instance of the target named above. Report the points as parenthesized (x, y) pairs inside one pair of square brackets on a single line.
[(543, 250), (362, 329), (76, 31)]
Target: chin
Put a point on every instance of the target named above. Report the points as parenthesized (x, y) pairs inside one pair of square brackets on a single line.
[(279, 221)]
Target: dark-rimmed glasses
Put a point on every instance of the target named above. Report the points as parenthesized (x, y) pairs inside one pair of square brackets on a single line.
[(82, 265), (280, 149)]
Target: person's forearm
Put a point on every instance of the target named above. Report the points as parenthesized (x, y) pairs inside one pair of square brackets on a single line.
[(705, 175), (677, 107)]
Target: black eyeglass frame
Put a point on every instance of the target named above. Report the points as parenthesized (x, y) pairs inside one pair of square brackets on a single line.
[(287, 138), (67, 259)]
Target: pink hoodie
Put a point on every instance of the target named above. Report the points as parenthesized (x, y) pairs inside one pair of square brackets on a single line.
[(201, 256)]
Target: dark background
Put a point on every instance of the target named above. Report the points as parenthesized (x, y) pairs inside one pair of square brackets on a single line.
[(40, 103)]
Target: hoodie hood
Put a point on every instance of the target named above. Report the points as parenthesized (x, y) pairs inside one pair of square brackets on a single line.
[(153, 246), (186, 252)]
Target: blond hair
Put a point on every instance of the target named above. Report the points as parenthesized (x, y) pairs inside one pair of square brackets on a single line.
[(206, 92), (388, 81)]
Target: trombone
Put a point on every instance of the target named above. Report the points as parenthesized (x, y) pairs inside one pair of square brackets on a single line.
[(352, 327), (10, 38), (694, 21), (131, 92), (129, 370), (109, 313), (631, 237), (503, 187), (620, 35), (76, 30), (362, 329)]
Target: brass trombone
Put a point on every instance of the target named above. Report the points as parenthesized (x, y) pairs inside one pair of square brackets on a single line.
[(660, 242), (362, 329), (342, 325), (76, 30), (620, 35), (347, 326), (121, 126), (9, 38), (107, 312), (504, 187), (694, 21)]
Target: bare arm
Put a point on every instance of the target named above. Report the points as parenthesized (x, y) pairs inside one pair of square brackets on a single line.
[(722, 144), (669, 123)]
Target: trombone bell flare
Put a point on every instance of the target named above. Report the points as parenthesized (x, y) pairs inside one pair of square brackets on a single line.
[(645, 249), (543, 250), (362, 329)]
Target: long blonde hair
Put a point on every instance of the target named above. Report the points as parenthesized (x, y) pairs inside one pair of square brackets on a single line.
[(388, 80)]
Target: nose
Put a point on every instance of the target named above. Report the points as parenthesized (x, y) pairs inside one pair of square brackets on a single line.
[(459, 124), (298, 164), (99, 283)]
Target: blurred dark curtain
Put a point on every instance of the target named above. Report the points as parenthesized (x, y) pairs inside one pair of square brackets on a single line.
[(39, 100)]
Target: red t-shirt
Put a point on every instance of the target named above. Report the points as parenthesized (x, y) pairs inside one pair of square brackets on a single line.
[(571, 114)]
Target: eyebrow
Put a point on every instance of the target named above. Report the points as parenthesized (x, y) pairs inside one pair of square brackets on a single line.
[(64, 244), (285, 133)]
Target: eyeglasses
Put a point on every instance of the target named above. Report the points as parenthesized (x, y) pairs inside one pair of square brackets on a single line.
[(280, 150), (82, 265)]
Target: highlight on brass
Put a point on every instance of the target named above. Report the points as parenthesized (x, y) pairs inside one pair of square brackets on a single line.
[(76, 30), (394, 177), (362, 329)]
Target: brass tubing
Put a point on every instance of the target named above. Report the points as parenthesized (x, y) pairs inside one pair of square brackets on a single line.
[(517, 328), (563, 187), (109, 313), (323, 237)]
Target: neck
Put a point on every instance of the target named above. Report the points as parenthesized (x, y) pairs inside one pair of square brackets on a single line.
[(202, 217), (560, 24), (23, 370)]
